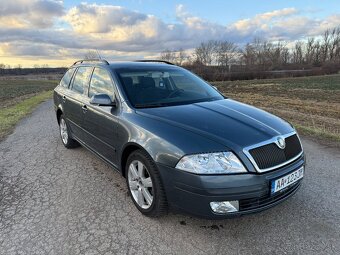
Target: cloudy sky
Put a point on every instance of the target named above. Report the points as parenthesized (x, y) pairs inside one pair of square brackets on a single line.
[(57, 32)]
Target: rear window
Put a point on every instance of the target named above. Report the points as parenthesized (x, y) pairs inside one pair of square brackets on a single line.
[(81, 79), (65, 81)]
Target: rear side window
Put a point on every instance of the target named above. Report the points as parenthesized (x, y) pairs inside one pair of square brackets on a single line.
[(65, 81), (81, 79), (101, 83)]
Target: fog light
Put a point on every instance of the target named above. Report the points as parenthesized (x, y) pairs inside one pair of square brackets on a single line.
[(224, 206)]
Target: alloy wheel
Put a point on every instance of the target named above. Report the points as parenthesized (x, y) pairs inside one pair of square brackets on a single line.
[(140, 184), (63, 131)]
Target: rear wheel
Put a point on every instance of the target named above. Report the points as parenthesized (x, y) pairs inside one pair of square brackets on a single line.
[(144, 184), (65, 135)]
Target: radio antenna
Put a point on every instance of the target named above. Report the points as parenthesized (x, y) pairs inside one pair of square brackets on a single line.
[(98, 54)]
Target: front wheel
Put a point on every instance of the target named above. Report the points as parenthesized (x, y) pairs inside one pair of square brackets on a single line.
[(144, 184), (65, 135)]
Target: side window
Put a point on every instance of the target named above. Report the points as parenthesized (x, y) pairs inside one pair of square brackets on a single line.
[(65, 81), (101, 83), (81, 79)]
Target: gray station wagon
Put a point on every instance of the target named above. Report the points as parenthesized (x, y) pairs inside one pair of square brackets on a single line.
[(177, 140)]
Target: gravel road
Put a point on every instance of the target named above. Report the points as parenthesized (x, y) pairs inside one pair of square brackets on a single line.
[(59, 201)]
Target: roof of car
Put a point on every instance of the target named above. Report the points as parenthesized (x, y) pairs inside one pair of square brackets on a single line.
[(125, 64), (135, 64)]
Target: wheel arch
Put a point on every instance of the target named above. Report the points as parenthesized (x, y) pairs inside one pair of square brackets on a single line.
[(127, 150), (59, 112)]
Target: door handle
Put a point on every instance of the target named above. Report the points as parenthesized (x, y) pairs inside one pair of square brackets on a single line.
[(64, 99), (84, 107)]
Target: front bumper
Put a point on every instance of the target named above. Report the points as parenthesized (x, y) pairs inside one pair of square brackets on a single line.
[(193, 193)]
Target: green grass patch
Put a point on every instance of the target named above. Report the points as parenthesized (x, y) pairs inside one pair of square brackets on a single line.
[(11, 115), (325, 82), (318, 133)]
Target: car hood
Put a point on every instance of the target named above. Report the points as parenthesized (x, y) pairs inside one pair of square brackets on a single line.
[(231, 123)]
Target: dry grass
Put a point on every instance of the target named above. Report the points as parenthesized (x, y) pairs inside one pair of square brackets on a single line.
[(9, 116), (19, 98), (311, 104), (15, 91)]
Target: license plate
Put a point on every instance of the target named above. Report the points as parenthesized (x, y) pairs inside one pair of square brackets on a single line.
[(286, 180)]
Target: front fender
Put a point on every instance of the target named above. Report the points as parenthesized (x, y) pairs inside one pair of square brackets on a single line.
[(57, 102)]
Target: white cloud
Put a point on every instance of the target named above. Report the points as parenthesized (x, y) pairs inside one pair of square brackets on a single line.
[(29, 27), (276, 14), (262, 22), (93, 18), (28, 13)]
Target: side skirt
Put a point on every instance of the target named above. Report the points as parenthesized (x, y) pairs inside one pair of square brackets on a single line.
[(97, 154)]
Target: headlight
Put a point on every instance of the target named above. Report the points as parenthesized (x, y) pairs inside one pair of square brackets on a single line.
[(211, 163)]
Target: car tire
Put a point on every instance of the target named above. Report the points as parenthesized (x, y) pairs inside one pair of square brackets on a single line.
[(138, 184), (66, 139)]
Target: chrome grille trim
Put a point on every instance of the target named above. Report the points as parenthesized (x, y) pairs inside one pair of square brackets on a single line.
[(272, 140)]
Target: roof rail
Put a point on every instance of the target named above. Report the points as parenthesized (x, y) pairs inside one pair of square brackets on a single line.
[(155, 60), (91, 60)]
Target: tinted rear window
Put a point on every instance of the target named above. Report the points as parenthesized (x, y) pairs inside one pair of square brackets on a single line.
[(65, 81), (81, 79)]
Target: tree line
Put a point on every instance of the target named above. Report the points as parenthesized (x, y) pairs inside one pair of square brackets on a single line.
[(261, 55), (36, 69)]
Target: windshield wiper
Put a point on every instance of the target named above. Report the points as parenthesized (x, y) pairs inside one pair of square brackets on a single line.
[(152, 105)]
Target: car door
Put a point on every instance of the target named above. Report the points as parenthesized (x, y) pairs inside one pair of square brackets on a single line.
[(74, 101), (100, 122)]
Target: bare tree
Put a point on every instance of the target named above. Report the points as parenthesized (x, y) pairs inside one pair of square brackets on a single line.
[(248, 56), (334, 50), (2, 68), (298, 53), (326, 44), (92, 54), (310, 50), (168, 55), (317, 57), (226, 52), (204, 53), (189, 59), (285, 56), (314, 52), (175, 56), (181, 56)]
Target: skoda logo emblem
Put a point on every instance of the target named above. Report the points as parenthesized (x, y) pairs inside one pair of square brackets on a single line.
[(281, 143)]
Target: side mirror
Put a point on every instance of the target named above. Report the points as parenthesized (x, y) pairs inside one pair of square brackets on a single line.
[(102, 100)]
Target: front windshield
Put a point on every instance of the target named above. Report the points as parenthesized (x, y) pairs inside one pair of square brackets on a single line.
[(152, 87)]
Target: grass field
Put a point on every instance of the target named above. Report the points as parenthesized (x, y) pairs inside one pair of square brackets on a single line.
[(19, 98), (311, 104), (15, 91)]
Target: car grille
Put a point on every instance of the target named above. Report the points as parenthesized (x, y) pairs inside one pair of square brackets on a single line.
[(270, 155), (254, 203)]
